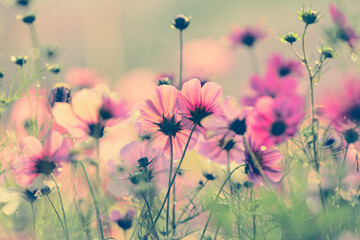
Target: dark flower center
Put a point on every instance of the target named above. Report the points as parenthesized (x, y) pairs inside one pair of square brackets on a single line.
[(329, 142), (278, 128), (169, 126), (354, 113), (44, 166), (250, 165), (228, 146), (124, 223), (96, 130), (209, 176), (351, 136), (249, 40), (343, 34), (59, 94), (284, 71), (199, 114), (238, 126), (143, 162), (30, 195), (105, 114)]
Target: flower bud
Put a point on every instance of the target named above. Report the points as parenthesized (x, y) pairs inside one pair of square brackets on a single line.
[(1, 74), (143, 162), (181, 22), (54, 68), (61, 92), (290, 37), (309, 16), (209, 176), (19, 60), (28, 18), (327, 52), (23, 3)]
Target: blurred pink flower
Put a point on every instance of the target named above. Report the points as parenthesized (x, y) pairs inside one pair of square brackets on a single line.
[(40, 158), (268, 158), (124, 221), (230, 123), (83, 78), (218, 148), (160, 117), (271, 85), (206, 58), (246, 36), (89, 113), (197, 101), (128, 86), (344, 32), (284, 67), (273, 121)]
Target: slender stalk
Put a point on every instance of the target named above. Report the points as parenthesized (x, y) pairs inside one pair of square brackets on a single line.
[(137, 223), (172, 182), (169, 185), (12, 83), (228, 171), (57, 214), (217, 231), (253, 214), (343, 167), (174, 208), (34, 222), (181, 58), (149, 208), (61, 203), (101, 232), (217, 197)]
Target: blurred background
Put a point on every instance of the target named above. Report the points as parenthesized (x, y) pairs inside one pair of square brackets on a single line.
[(121, 37)]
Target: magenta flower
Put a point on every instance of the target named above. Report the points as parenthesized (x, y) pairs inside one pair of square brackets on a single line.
[(344, 31), (344, 107), (284, 67), (160, 118), (267, 158), (247, 36), (217, 149), (197, 101), (273, 121), (40, 158), (89, 113), (272, 85), (232, 122)]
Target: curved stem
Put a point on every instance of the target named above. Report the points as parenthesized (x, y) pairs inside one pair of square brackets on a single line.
[(217, 197), (101, 232), (61, 203), (57, 214), (172, 181)]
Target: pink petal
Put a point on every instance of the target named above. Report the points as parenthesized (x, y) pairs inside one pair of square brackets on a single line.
[(31, 147), (86, 104)]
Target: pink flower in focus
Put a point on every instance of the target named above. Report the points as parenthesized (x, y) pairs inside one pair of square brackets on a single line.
[(40, 158), (344, 31), (272, 85), (273, 121), (247, 36), (89, 113), (267, 157), (83, 78), (197, 101), (218, 148), (160, 117), (231, 123), (285, 67), (206, 58)]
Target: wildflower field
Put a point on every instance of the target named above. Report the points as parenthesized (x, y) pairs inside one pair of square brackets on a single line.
[(165, 120)]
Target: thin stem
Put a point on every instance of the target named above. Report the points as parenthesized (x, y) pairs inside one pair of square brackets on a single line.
[(181, 59), (57, 214), (217, 231), (33, 215), (149, 208), (228, 171), (169, 185), (12, 84), (174, 208), (172, 181), (137, 223), (253, 214), (217, 197), (343, 167), (61, 203), (101, 232)]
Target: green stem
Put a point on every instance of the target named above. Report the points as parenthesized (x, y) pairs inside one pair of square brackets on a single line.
[(228, 172), (253, 214), (57, 214), (217, 197), (62, 204), (169, 185), (181, 59), (217, 231), (101, 232), (174, 208), (137, 223), (172, 182), (34, 222), (343, 167)]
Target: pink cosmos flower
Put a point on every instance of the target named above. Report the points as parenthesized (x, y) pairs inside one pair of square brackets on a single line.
[(89, 113), (271, 85), (83, 78), (284, 67), (38, 158), (344, 106), (247, 36), (160, 117), (267, 157), (207, 58), (344, 31), (197, 101), (124, 221), (273, 121), (218, 148), (230, 123)]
